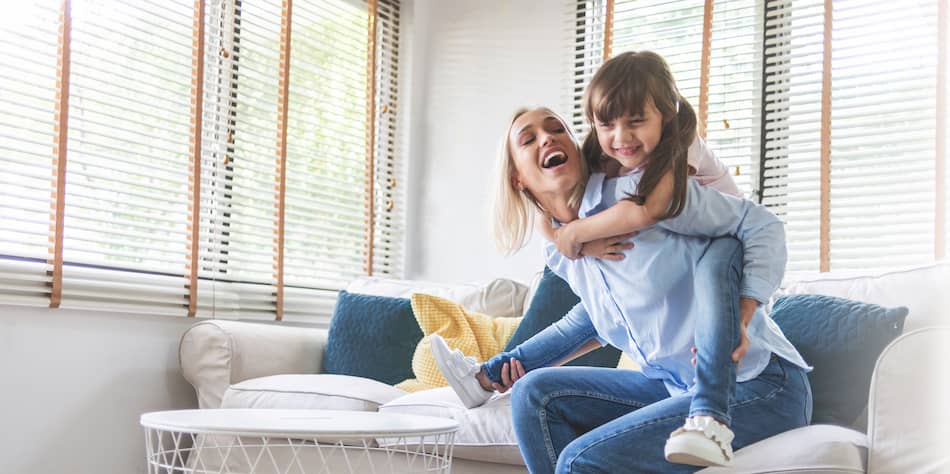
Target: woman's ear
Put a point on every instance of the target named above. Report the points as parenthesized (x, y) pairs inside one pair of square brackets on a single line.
[(516, 183)]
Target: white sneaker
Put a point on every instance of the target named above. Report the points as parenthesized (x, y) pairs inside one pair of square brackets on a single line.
[(459, 371), (702, 441)]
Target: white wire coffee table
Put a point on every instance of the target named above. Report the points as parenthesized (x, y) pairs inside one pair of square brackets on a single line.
[(295, 441)]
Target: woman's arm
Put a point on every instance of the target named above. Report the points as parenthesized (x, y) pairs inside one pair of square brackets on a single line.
[(622, 218)]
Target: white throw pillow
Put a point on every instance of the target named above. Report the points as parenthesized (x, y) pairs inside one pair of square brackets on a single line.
[(310, 391)]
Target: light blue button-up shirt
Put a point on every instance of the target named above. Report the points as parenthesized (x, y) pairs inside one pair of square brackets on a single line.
[(641, 304)]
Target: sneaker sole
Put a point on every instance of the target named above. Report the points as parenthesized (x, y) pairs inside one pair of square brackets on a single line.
[(681, 450)]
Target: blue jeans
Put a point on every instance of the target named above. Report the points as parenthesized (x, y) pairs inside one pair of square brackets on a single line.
[(715, 312), (601, 420)]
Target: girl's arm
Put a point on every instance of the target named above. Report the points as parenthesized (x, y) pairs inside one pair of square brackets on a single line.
[(622, 218), (709, 213)]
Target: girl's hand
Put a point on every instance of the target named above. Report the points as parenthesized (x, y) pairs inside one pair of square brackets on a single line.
[(510, 373), (566, 243), (610, 248)]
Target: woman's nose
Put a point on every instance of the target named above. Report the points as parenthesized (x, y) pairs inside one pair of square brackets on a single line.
[(548, 139)]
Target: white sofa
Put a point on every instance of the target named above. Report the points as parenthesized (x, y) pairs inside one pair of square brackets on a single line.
[(236, 364)]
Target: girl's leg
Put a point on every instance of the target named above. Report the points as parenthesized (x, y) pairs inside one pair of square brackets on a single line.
[(776, 401), (716, 312), (551, 407), (552, 345)]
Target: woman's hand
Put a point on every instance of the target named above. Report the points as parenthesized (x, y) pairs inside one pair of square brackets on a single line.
[(610, 248), (747, 307), (511, 371)]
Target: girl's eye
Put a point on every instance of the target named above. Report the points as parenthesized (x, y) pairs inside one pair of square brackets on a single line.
[(527, 140)]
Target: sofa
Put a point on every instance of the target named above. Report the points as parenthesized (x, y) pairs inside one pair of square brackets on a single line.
[(237, 364)]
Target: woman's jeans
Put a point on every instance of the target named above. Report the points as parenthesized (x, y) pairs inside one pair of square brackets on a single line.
[(600, 420), (715, 312)]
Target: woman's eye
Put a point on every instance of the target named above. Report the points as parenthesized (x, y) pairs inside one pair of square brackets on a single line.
[(527, 141)]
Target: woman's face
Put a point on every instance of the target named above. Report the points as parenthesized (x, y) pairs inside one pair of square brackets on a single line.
[(546, 158)]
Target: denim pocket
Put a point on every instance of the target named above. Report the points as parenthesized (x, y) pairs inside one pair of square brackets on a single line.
[(772, 380)]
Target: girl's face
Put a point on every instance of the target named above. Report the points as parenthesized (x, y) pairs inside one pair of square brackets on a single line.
[(630, 139), (545, 155)]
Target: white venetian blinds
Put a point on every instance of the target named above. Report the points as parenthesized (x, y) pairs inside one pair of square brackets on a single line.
[(28, 92), (725, 95), (222, 157), (851, 131), (127, 201)]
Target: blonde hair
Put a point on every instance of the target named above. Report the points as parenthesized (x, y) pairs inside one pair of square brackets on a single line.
[(623, 85), (512, 216)]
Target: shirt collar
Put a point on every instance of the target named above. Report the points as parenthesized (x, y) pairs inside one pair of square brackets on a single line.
[(593, 194)]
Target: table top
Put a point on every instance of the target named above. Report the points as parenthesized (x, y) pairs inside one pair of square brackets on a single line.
[(291, 423)]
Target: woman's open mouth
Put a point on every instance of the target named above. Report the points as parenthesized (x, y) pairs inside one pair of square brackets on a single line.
[(556, 158)]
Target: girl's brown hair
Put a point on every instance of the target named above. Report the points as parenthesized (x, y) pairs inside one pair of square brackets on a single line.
[(623, 85)]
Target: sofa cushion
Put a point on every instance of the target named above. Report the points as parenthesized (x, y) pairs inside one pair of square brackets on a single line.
[(922, 289), (311, 391), (810, 449), (476, 335), (485, 433), (841, 339), (499, 297), (550, 301)]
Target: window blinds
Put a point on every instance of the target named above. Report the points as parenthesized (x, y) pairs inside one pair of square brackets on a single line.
[(28, 71), (676, 30), (875, 80), (262, 204)]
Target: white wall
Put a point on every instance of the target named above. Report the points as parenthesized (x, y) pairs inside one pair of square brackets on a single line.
[(74, 384), (472, 64)]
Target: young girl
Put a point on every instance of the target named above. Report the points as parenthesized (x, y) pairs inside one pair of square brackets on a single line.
[(640, 121)]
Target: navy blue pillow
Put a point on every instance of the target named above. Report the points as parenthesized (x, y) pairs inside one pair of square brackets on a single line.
[(841, 339), (551, 302), (372, 337)]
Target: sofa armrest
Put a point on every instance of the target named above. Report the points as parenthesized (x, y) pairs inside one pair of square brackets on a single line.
[(215, 354), (908, 412)]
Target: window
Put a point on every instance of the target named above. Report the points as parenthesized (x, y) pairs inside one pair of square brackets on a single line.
[(222, 158), (849, 149), (850, 103)]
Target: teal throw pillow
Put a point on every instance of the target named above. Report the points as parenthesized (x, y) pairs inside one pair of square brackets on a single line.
[(841, 339), (372, 337)]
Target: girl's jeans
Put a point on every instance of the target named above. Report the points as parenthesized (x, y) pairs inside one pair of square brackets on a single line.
[(716, 312)]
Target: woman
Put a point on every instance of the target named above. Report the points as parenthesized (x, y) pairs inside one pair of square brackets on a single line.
[(580, 419)]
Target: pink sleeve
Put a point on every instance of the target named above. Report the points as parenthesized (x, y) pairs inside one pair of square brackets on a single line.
[(709, 170)]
